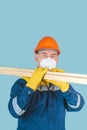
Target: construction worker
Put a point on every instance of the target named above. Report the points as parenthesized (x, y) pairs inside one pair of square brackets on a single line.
[(41, 104)]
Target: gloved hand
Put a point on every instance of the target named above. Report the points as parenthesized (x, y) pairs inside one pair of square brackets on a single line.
[(42, 82), (36, 78), (63, 86)]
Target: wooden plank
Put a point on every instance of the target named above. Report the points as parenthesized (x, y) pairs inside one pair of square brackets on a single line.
[(65, 77)]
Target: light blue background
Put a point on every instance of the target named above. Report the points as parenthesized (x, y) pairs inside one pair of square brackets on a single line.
[(22, 24)]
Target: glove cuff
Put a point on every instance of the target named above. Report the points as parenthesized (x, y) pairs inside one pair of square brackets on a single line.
[(31, 85)]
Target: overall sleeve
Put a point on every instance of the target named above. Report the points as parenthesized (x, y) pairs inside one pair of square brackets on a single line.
[(73, 100), (20, 98)]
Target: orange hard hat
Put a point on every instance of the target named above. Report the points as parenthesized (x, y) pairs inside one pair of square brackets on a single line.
[(47, 42)]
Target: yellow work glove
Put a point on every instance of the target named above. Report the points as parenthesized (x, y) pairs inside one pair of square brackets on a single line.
[(63, 86), (36, 78), (56, 70), (42, 83)]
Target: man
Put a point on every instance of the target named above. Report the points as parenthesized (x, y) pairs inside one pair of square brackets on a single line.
[(41, 104)]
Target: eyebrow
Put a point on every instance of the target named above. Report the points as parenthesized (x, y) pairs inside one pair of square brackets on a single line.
[(44, 53), (53, 54)]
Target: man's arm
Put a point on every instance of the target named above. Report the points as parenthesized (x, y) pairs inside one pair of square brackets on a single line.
[(73, 100), (20, 98)]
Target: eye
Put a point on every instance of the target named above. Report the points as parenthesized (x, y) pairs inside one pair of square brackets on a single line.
[(44, 55), (53, 56)]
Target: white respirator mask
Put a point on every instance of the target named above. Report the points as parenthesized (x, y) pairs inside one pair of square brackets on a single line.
[(48, 62)]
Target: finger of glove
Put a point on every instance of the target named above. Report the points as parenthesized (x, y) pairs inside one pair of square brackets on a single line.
[(57, 70), (45, 70), (39, 73)]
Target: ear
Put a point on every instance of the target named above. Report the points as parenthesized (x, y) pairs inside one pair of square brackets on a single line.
[(36, 57)]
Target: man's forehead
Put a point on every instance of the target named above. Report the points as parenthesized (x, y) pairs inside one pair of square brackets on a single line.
[(47, 51)]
